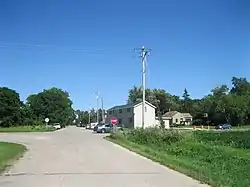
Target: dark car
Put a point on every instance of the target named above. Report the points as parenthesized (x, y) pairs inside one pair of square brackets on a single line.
[(223, 126), (79, 125)]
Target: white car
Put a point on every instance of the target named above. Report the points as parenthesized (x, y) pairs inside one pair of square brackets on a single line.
[(57, 126)]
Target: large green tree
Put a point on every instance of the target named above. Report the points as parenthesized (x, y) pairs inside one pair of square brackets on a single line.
[(54, 104), (10, 107)]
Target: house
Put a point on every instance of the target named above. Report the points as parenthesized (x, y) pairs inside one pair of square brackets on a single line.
[(166, 121), (175, 117), (130, 115)]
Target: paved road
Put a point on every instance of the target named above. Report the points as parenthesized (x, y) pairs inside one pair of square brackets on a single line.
[(74, 157)]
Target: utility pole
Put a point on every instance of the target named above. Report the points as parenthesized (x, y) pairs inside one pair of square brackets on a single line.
[(144, 53), (89, 115), (103, 117), (97, 107)]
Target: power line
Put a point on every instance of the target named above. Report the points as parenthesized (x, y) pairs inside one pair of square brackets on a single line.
[(50, 47)]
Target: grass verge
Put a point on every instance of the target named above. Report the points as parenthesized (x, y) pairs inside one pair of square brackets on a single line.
[(27, 129), (8, 153), (200, 155)]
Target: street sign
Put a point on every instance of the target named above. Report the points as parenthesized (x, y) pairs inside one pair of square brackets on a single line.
[(114, 120), (46, 120)]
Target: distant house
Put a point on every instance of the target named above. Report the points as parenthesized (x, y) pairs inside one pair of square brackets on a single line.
[(175, 117), (130, 115), (166, 121)]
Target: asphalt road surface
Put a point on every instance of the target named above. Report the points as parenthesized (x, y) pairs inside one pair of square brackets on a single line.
[(74, 157)]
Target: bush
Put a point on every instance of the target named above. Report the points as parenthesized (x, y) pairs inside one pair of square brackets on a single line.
[(155, 136)]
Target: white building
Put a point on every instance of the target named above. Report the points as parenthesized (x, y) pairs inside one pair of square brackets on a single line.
[(166, 121), (130, 115), (175, 117)]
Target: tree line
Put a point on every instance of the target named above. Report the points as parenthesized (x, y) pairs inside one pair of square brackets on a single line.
[(53, 103), (223, 105)]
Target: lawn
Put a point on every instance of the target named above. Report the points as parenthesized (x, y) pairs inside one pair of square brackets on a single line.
[(8, 153), (216, 158), (27, 129)]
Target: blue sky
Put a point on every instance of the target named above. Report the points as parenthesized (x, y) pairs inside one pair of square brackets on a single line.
[(87, 45)]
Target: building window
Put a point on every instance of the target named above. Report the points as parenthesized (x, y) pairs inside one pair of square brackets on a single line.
[(120, 121), (120, 110), (130, 120), (110, 112), (145, 109), (128, 109), (176, 120)]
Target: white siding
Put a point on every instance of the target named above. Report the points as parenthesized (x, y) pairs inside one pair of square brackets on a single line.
[(177, 118), (167, 123), (149, 116)]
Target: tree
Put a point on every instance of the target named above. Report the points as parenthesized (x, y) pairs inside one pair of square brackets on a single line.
[(10, 107), (27, 115), (135, 95), (240, 86), (186, 102), (54, 104)]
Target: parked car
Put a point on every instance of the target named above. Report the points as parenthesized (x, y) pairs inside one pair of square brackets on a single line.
[(104, 128), (79, 125), (223, 126), (57, 126), (96, 127), (91, 126)]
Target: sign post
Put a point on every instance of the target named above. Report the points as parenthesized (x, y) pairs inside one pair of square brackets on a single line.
[(206, 116), (46, 121), (114, 122)]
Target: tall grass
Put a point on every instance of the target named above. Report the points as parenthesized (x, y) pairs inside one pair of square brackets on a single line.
[(219, 159)]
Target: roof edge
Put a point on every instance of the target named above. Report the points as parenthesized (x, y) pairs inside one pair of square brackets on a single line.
[(145, 102)]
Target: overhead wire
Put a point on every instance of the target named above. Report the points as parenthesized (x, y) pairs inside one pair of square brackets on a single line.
[(51, 47)]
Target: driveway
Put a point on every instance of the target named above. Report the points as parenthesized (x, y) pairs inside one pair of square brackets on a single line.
[(74, 157)]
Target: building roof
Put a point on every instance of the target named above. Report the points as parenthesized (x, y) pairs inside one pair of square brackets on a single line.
[(122, 106), (186, 115), (170, 114), (130, 105), (164, 118), (146, 103)]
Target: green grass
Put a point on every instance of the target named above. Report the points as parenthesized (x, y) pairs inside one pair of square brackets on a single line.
[(27, 129), (8, 153), (242, 127), (216, 158)]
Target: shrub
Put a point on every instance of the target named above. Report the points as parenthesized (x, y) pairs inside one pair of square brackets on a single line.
[(155, 136)]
